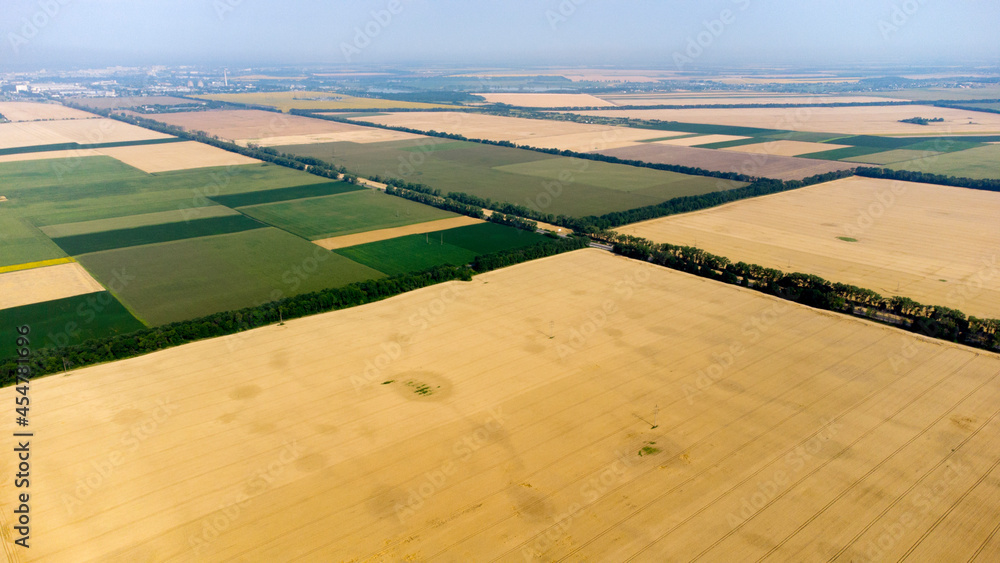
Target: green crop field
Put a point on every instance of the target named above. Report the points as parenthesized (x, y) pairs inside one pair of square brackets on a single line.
[(344, 214), (52, 192), (411, 253), (191, 278), (22, 242), (550, 184), (69, 321), (285, 194), (890, 157), (132, 221), (151, 234), (979, 163), (846, 153), (414, 253)]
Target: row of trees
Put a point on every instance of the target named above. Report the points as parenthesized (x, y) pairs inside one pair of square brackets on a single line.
[(50, 360), (930, 320), (925, 178)]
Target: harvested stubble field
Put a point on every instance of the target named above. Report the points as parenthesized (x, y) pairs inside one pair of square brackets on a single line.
[(538, 133), (547, 100), (269, 129), (938, 245), (33, 111), (760, 165), (785, 148), (814, 442), (864, 120), (82, 131), (175, 156), (729, 98), (25, 287), (285, 101)]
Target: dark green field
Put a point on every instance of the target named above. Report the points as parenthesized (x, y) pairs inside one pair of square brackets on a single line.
[(196, 277), (78, 146), (138, 236), (344, 214), (285, 194), (69, 321), (546, 183), (414, 253)]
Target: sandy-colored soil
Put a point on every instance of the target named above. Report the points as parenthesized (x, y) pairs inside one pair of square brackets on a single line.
[(285, 101), (38, 285), (935, 244), (23, 157), (176, 156), (691, 99), (272, 129), (700, 140), (83, 131), (33, 111), (785, 148), (539, 133), (385, 234), (542, 384), (757, 165), (547, 100), (865, 120)]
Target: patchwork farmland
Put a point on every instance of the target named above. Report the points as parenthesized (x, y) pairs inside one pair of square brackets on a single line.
[(819, 435)]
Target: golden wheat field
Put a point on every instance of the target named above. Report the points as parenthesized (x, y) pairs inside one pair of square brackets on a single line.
[(82, 131), (273, 129), (864, 120), (34, 111), (395, 232), (175, 156), (539, 133), (285, 101), (37, 285), (935, 244), (547, 100), (601, 409)]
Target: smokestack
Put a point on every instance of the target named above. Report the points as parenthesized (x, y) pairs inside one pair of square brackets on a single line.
[(225, 73)]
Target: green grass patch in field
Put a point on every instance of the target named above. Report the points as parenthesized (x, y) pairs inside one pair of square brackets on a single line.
[(21, 242), (944, 144), (890, 157), (414, 253), (132, 221), (435, 147), (152, 234), (884, 143), (345, 214), (848, 239), (516, 176), (285, 194), (69, 321), (671, 138), (979, 163), (196, 277)]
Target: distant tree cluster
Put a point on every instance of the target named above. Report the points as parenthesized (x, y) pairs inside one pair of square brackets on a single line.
[(922, 120)]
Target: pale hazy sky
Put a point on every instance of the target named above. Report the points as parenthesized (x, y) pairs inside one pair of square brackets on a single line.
[(496, 32)]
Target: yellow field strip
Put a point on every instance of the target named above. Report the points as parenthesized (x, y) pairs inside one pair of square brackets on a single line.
[(42, 264)]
